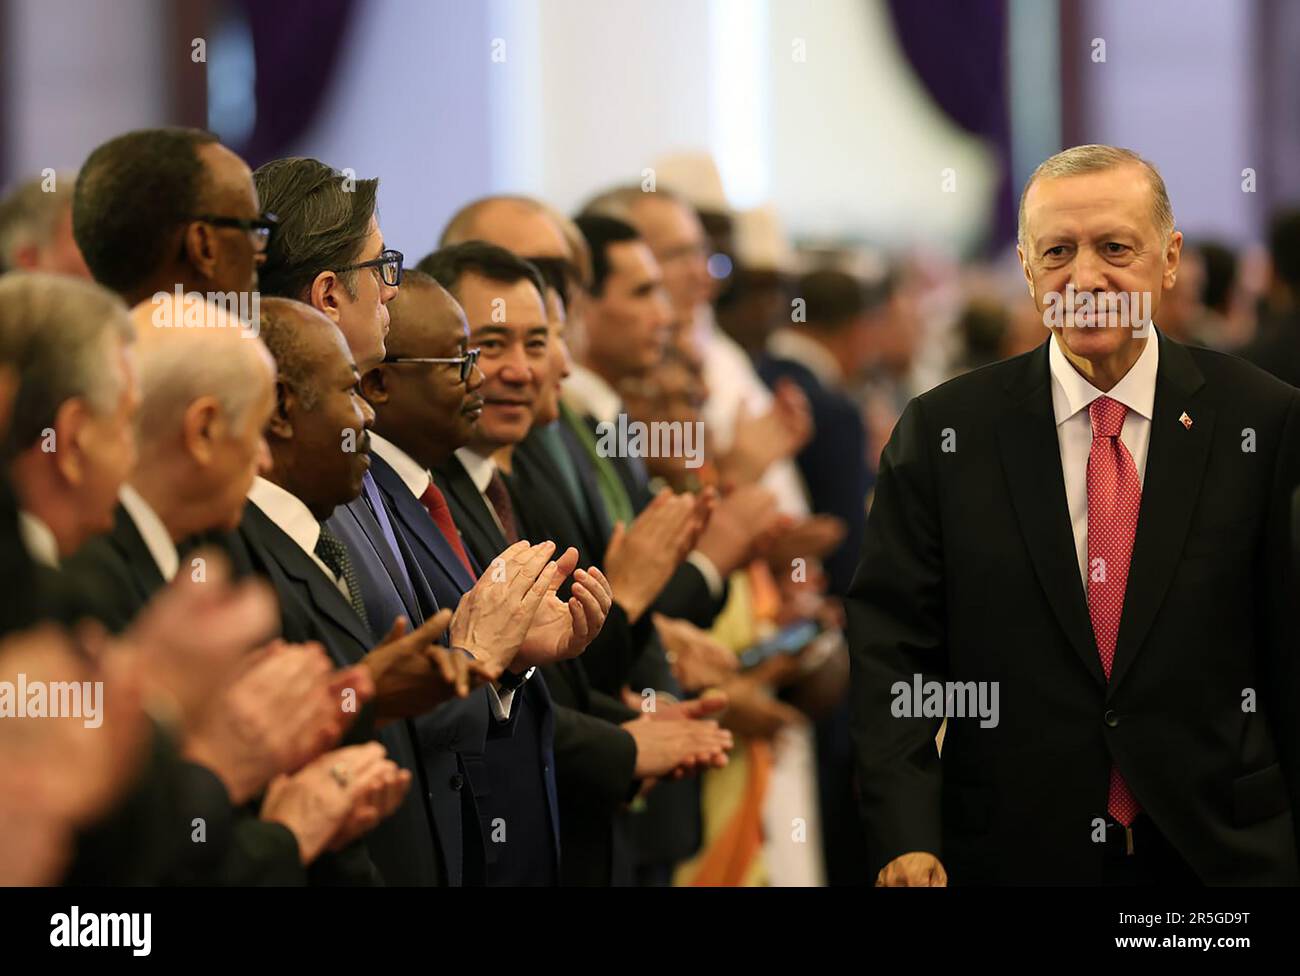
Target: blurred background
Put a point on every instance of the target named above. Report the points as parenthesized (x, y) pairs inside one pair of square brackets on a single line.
[(884, 138), (887, 138)]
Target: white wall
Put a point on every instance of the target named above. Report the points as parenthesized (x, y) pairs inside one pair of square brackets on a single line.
[(1176, 87), (75, 74)]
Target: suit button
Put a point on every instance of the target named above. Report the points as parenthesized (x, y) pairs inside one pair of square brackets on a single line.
[(1111, 719), (456, 782)]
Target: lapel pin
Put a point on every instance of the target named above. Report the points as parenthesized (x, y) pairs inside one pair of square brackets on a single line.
[(1185, 420)]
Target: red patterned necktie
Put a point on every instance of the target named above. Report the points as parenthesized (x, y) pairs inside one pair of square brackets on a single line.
[(499, 496), (435, 502), (1114, 497)]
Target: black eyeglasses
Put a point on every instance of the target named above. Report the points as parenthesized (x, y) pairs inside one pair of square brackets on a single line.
[(466, 362), (262, 228), (389, 264)]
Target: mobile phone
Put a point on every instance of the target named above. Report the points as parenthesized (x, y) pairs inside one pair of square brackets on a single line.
[(788, 640)]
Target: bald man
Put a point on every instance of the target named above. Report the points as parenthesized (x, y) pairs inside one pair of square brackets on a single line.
[(205, 396)]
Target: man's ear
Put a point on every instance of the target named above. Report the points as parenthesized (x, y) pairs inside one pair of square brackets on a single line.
[(326, 294), (286, 403), (71, 432), (201, 248), (1173, 256), (202, 426), (374, 385), (1024, 269)]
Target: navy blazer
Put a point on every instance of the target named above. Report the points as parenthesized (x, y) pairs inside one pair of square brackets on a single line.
[(436, 563)]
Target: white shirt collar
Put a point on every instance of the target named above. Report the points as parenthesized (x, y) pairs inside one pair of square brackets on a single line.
[(589, 394), (808, 352), (289, 513), (41, 544), (1136, 390), (480, 468), (413, 475), (155, 535)]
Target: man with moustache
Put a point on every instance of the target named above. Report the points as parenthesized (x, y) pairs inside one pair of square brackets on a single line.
[(1099, 526)]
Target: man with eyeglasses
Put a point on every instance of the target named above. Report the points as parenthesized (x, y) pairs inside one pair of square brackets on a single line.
[(159, 209)]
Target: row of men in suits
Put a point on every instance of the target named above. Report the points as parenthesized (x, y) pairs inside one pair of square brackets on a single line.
[(364, 466)]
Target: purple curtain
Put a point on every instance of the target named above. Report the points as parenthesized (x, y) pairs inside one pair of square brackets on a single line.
[(958, 49), (296, 45)]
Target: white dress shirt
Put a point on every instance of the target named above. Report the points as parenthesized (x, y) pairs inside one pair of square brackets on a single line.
[(1071, 396), (415, 476), (733, 382), (155, 535), (38, 539), (295, 520)]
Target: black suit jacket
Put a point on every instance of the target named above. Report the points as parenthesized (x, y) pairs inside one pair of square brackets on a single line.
[(239, 848), (969, 573), (405, 846)]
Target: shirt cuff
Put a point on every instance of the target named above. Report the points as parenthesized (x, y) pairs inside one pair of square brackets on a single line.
[(502, 700), (712, 578)]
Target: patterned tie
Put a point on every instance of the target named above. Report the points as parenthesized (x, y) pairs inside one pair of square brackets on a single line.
[(499, 496), (334, 554), (1114, 497), (435, 502)]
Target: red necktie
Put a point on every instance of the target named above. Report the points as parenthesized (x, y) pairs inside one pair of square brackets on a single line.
[(436, 504), (499, 496), (1114, 497)]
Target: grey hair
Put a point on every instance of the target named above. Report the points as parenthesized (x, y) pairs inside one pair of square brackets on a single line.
[(173, 374), (29, 214), (55, 332), (1078, 160)]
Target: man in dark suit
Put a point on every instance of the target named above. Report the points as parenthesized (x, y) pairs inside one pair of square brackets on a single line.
[(517, 357), (493, 626), (1088, 542)]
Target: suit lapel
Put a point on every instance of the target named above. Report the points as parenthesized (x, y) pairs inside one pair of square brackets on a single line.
[(323, 595), (1176, 462), (1031, 457), (587, 478), (146, 577), (418, 523), (471, 512)]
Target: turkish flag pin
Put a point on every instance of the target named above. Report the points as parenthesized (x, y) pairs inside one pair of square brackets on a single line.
[(1185, 420)]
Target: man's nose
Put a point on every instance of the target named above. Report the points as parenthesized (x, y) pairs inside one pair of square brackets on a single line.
[(367, 413), (475, 378), (1089, 272)]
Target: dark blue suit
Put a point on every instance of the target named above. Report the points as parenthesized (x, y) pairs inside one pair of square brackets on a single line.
[(452, 738), (514, 775)]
